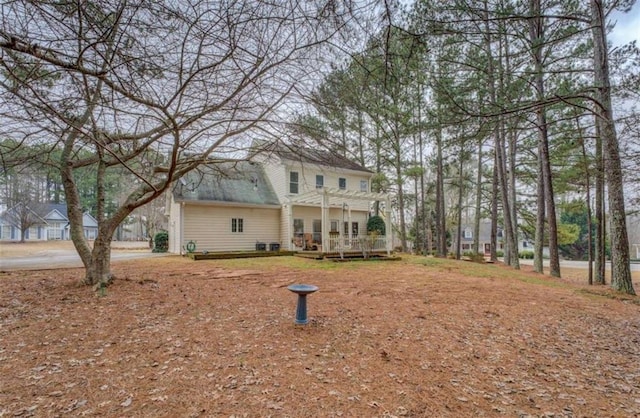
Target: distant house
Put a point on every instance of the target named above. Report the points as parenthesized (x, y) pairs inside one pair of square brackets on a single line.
[(49, 222), (467, 239), (295, 199), (633, 230)]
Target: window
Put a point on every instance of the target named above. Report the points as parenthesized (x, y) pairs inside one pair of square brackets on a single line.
[(319, 181), (354, 229), (468, 233), (342, 183), (364, 186), (237, 225), (525, 244), (317, 231), (334, 226), (293, 182)]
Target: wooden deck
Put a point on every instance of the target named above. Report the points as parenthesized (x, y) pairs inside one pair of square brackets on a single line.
[(314, 255), (346, 256), (236, 254)]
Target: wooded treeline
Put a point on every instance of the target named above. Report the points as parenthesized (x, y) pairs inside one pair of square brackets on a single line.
[(466, 110), (497, 110)]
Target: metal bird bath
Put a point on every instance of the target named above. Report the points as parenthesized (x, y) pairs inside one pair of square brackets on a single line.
[(302, 290)]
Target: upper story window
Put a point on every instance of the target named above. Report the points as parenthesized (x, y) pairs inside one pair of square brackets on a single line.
[(293, 182), (468, 233), (319, 181), (364, 186), (342, 183)]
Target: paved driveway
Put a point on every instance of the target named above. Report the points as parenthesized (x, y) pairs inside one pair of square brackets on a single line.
[(59, 258)]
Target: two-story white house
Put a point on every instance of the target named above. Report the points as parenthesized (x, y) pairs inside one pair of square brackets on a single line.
[(283, 197)]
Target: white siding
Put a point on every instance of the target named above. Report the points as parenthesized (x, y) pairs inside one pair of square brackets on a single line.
[(210, 227), (278, 176), (307, 179)]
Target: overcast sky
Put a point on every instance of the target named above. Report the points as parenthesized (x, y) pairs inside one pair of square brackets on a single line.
[(628, 26)]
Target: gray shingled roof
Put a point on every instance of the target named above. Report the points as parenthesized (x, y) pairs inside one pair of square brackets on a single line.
[(303, 155), (237, 182)]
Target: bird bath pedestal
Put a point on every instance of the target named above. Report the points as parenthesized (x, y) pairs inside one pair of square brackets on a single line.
[(302, 290)]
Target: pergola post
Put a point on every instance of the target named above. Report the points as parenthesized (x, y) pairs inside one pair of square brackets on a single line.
[(387, 225), (324, 220), (349, 226), (290, 230)]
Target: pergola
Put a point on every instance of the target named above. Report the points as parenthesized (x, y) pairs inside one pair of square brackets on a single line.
[(323, 197)]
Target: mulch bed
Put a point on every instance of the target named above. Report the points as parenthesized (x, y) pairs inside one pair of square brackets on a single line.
[(173, 337)]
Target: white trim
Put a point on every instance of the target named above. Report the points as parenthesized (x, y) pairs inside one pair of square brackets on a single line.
[(315, 196), (227, 204)]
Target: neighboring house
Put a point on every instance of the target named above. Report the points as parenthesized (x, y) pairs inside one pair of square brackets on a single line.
[(467, 239), (633, 228), (51, 223), (294, 199)]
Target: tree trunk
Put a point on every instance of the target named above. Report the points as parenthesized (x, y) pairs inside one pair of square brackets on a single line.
[(441, 227), (494, 210), (536, 32), (477, 217), (511, 248), (587, 178), (426, 226), (460, 198), (99, 270), (600, 239), (538, 258), (620, 257), (399, 184)]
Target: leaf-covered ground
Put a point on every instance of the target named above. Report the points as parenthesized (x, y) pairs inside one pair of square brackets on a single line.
[(417, 338)]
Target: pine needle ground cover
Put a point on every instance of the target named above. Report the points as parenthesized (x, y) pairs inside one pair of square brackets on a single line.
[(418, 337)]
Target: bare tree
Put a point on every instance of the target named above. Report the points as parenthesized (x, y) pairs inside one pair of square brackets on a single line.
[(152, 88), (620, 257)]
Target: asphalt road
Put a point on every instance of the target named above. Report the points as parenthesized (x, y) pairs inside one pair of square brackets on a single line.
[(577, 264), (64, 259)]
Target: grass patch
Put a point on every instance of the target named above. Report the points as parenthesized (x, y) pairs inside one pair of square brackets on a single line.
[(607, 293), (487, 270)]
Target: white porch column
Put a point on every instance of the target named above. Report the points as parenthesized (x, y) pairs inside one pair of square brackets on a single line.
[(289, 229), (387, 225), (324, 219), (349, 226)]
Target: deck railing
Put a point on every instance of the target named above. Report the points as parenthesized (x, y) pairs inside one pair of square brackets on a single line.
[(365, 243)]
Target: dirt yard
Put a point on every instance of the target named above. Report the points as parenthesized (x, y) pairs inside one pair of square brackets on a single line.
[(417, 338)]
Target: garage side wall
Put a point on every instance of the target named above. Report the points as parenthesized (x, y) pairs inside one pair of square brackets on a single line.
[(210, 227)]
